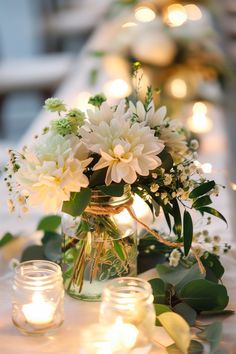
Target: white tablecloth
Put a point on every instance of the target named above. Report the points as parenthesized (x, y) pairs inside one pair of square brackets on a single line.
[(78, 314)]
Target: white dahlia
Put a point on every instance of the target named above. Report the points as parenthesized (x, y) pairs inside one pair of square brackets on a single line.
[(168, 130), (126, 149), (51, 169), (105, 113)]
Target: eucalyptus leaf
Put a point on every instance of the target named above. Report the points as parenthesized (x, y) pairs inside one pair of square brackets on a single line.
[(192, 273), (212, 333), (49, 223), (212, 211), (78, 202), (159, 288), (52, 250), (187, 232), (177, 328), (159, 308), (212, 263), (50, 236), (202, 189), (114, 190), (7, 237), (203, 295), (32, 253), (186, 312), (202, 201), (194, 348), (172, 275)]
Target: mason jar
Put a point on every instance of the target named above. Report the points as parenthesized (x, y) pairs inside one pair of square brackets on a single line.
[(99, 245), (129, 301), (38, 295)]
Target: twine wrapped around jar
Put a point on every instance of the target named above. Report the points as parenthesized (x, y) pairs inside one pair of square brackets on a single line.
[(112, 210)]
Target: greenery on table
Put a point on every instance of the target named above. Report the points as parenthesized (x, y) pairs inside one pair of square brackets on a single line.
[(181, 293)]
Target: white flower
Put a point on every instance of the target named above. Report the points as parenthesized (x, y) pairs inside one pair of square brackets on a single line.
[(174, 258), (154, 187), (105, 113), (53, 168), (167, 179), (169, 130), (126, 149)]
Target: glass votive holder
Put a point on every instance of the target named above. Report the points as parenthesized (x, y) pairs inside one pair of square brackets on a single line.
[(129, 300), (38, 297)]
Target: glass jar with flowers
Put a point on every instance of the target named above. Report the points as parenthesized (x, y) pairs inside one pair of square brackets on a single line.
[(89, 164)]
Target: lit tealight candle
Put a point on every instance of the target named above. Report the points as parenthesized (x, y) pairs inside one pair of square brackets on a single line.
[(123, 335), (199, 122), (39, 311)]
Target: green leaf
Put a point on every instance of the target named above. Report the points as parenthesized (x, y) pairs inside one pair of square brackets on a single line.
[(212, 333), (6, 238), (194, 348), (33, 252), (119, 250), (159, 288), (218, 313), (192, 273), (52, 250), (49, 223), (115, 189), (188, 232), (177, 328), (203, 295), (171, 275), (213, 266), (186, 312), (167, 160), (212, 211), (202, 201), (202, 189), (167, 216), (78, 202), (50, 236), (177, 217), (159, 308), (98, 177)]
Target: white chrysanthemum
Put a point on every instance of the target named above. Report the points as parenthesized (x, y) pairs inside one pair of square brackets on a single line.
[(53, 168), (105, 114), (168, 129), (127, 150)]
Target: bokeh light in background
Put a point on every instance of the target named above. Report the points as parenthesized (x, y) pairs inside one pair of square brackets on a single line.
[(144, 14), (81, 101), (176, 15), (193, 12), (118, 88), (199, 122), (178, 88)]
